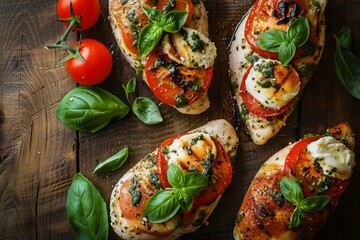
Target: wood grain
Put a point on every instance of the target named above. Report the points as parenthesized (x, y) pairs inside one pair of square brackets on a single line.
[(39, 156)]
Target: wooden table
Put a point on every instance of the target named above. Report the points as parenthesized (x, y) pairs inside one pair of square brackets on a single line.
[(39, 156)]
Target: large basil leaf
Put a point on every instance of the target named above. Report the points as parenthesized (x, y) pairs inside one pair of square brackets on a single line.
[(154, 15), (89, 109), (195, 183), (271, 40), (347, 68), (291, 190), (161, 207), (113, 163), (286, 52), (314, 204), (147, 111), (299, 31), (175, 176), (174, 20), (148, 38), (86, 210)]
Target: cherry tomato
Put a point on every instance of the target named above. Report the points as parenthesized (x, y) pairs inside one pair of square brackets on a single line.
[(98, 63), (265, 15), (218, 182), (171, 84), (89, 10), (127, 27), (254, 106), (299, 164)]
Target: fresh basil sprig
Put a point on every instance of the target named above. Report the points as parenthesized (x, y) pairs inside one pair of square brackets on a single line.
[(86, 210), (347, 65), (89, 109), (113, 163), (292, 192), (144, 108), (151, 34), (283, 43), (164, 204)]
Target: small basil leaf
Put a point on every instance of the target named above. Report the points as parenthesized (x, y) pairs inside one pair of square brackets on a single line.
[(286, 52), (271, 40), (174, 20), (129, 87), (184, 199), (291, 190), (175, 176), (148, 38), (295, 219), (161, 207), (147, 111), (314, 204), (299, 31), (154, 15), (195, 183), (89, 109), (344, 37), (86, 210), (113, 163)]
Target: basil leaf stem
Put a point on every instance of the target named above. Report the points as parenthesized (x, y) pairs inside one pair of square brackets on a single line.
[(283, 43), (86, 210), (113, 163)]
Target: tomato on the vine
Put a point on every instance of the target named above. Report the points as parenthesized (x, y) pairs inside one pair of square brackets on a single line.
[(89, 10), (97, 66)]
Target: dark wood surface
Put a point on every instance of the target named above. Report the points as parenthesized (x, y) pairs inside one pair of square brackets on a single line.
[(39, 156)]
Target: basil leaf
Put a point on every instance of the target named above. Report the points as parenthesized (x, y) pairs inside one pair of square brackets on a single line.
[(314, 204), (291, 190), (147, 111), (184, 199), (86, 210), (175, 176), (89, 109), (129, 87), (154, 15), (286, 52), (195, 183), (148, 38), (113, 163), (161, 207), (173, 21), (295, 219), (299, 31), (345, 39), (271, 40)]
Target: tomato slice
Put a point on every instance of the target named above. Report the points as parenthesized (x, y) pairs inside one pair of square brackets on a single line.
[(220, 179), (265, 15), (254, 106), (127, 25), (299, 164), (174, 84)]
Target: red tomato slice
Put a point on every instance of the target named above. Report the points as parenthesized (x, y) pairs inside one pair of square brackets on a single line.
[(141, 18), (266, 15), (254, 106), (221, 177), (300, 165), (161, 80)]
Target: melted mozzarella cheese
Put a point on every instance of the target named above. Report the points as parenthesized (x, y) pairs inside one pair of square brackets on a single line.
[(272, 84), (181, 47), (191, 150), (335, 159)]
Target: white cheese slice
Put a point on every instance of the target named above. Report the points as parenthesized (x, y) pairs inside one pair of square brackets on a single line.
[(335, 159), (181, 47), (191, 150), (284, 86)]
